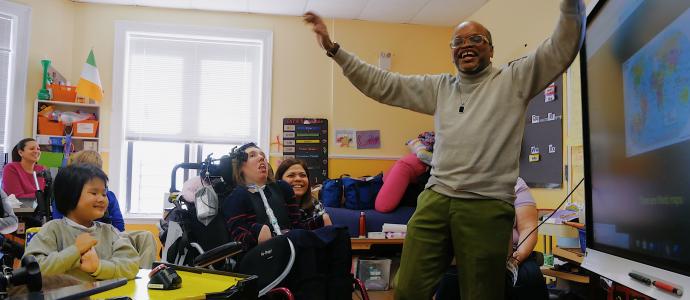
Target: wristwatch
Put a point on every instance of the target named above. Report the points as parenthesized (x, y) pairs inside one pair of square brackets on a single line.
[(331, 52)]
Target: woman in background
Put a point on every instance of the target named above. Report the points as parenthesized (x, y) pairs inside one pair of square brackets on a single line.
[(17, 176), (295, 173)]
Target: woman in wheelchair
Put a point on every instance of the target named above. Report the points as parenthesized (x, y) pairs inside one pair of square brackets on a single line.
[(259, 209)]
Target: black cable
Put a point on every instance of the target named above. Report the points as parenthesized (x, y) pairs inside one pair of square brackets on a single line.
[(554, 211)]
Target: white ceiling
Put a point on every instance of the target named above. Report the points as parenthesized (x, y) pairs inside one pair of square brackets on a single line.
[(427, 12)]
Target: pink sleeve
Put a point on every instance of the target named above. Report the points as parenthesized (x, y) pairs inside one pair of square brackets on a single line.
[(396, 181), (11, 183)]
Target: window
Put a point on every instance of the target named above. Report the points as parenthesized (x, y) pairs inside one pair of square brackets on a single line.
[(14, 42), (181, 93)]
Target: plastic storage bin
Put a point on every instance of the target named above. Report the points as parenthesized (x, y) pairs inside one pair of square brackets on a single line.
[(65, 93), (49, 127), (375, 273), (86, 128)]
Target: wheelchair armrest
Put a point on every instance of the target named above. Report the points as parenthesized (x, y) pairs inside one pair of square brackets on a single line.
[(217, 254)]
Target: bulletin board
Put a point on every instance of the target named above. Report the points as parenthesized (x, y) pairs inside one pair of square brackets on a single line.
[(541, 156), (307, 140)]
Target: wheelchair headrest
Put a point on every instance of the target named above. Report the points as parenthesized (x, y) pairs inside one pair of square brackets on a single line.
[(239, 154)]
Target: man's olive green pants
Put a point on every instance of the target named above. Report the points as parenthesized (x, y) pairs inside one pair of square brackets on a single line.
[(476, 231)]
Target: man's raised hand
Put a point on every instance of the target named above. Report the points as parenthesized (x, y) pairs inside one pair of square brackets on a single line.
[(319, 27)]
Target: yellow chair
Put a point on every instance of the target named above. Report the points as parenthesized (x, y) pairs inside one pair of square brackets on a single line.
[(30, 233)]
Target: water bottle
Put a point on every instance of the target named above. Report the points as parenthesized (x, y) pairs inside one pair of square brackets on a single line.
[(362, 225)]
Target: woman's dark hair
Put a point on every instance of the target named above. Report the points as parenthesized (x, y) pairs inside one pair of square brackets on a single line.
[(20, 146), (70, 181), (285, 165)]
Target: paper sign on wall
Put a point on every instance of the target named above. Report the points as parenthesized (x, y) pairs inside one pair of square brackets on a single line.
[(369, 139), (345, 138)]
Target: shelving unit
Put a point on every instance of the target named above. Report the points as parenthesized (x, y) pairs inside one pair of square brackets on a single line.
[(78, 141)]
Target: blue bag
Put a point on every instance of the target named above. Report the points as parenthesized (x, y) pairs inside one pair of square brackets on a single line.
[(360, 194), (331, 193)]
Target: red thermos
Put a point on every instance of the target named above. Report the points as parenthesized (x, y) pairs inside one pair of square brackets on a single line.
[(362, 225)]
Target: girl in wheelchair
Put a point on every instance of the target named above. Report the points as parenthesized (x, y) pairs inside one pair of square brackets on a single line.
[(259, 209), (78, 245)]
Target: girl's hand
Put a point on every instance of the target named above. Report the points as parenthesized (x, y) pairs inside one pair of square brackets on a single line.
[(89, 261), (85, 242)]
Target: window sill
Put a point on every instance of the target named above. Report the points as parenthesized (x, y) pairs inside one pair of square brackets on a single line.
[(142, 218)]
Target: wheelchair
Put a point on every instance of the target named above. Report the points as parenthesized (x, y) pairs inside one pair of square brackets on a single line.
[(189, 242)]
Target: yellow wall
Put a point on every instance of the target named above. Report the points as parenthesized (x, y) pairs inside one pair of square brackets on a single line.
[(52, 36), (305, 82)]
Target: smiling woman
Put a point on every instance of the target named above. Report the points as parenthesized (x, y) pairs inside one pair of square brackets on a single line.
[(17, 176), (296, 173)]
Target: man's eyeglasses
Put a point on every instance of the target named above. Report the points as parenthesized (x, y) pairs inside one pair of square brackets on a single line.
[(473, 40)]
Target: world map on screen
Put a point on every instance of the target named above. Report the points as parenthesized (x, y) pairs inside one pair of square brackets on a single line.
[(656, 83)]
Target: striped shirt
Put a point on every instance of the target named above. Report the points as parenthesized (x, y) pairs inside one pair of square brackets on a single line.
[(245, 214)]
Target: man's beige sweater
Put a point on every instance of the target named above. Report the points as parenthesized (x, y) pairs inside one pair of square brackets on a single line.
[(476, 154)]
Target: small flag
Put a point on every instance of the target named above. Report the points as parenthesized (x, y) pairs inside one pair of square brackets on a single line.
[(89, 85)]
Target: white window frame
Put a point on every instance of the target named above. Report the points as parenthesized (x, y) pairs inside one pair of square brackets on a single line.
[(18, 71), (118, 149)]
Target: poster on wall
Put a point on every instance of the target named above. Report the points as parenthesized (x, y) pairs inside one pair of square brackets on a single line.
[(345, 138), (307, 140), (541, 156), (368, 139)]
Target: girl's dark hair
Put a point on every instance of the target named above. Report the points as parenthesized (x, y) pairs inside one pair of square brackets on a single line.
[(20, 146), (285, 165), (70, 181)]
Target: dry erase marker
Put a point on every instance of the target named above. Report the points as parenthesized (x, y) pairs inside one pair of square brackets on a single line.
[(667, 287), (640, 278)]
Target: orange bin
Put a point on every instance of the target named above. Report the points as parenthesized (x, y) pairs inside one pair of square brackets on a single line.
[(65, 93), (49, 127), (85, 128)]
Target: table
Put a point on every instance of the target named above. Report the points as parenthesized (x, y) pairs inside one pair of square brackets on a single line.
[(366, 243), (194, 285), (550, 230), (574, 255)]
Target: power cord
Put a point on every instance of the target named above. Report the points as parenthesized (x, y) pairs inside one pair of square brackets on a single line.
[(554, 211)]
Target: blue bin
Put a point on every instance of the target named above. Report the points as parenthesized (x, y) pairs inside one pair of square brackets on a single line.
[(583, 239)]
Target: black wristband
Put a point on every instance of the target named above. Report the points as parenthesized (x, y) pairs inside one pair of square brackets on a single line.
[(333, 51)]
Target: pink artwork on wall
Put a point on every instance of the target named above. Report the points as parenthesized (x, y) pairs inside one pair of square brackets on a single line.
[(368, 139)]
